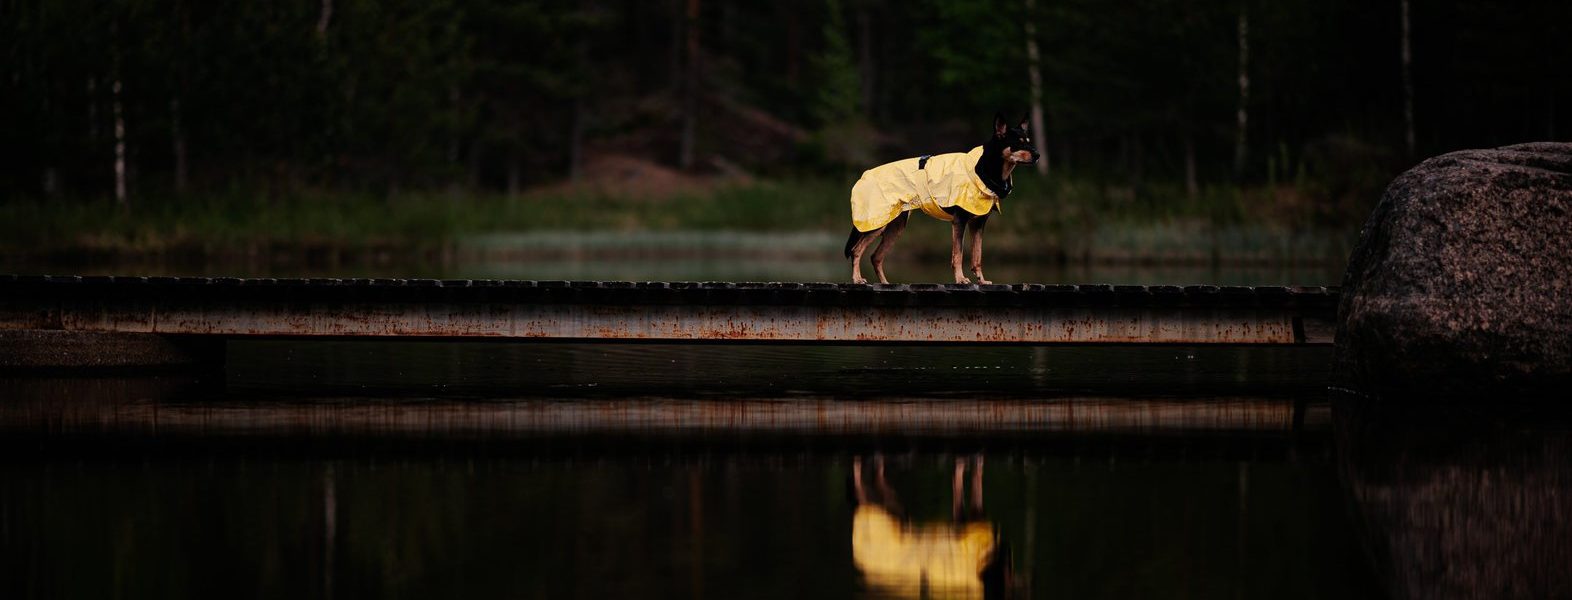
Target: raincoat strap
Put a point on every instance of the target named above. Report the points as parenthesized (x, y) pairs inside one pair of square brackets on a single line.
[(924, 197)]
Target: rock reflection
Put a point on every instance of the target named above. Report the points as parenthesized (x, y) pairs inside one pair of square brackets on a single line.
[(1461, 502), (961, 558)]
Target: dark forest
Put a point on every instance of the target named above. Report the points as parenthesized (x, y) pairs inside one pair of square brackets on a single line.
[(152, 101)]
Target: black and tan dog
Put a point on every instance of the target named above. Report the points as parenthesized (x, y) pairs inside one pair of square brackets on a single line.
[(964, 188)]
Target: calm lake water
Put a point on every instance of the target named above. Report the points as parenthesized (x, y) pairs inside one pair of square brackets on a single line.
[(431, 469), (421, 469)]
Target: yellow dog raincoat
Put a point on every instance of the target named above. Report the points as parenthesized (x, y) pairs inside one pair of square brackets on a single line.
[(947, 559), (946, 180)]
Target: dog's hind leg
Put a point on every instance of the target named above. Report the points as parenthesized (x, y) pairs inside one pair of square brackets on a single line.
[(976, 225), (892, 232), (887, 496), (977, 482), (957, 235), (862, 494), (859, 247)]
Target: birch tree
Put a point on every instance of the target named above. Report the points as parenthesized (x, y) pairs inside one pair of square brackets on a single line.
[(1408, 84), (690, 87), (181, 80), (116, 108), (1035, 77), (324, 17), (1242, 115)]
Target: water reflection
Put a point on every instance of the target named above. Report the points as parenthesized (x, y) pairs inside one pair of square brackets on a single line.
[(1461, 501), (961, 557), (165, 488), (169, 486), (1082, 522), (63, 411), (270, 369), (446, 470)]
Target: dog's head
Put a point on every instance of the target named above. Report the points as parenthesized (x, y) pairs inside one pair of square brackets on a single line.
[(1012, 144)]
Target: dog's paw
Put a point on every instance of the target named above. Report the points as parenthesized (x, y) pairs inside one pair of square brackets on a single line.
[(983, 282), (962, 281), (859, 280)]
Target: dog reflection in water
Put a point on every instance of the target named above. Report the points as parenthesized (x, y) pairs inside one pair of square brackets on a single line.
[(961, 558)]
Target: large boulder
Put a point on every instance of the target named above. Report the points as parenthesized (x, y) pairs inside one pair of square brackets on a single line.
[(1459, 283)]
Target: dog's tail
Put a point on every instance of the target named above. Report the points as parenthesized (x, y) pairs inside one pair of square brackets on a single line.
[(851, 241)]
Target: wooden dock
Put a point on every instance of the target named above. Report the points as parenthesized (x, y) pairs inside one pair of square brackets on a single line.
[(228, 308)]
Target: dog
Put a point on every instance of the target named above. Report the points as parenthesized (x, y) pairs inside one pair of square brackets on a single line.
[(964, 188)]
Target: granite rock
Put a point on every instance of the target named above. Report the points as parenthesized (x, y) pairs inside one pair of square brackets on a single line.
[(1459, 283)]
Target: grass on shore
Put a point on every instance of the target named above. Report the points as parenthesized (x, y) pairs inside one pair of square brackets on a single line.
[(1067, 217)]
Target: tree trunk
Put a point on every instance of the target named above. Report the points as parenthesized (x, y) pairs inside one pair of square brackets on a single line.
[(675, 66), (581, 56), (475, 162), (177, 133), (1408, 85), (1191, 187), (690, 91), (1065, 155), (1138, 159), (1241, 140), (121, 198), (793, 43), (178, 142), (455, 105), (1035, 76), (513, 173), (324, 16), (865, 58), (576, 141), (92, 109)]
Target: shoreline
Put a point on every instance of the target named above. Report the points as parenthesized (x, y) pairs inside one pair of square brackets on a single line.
[(1231, 247)]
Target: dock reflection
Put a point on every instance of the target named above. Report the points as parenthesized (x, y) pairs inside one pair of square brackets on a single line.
[(164, 407)]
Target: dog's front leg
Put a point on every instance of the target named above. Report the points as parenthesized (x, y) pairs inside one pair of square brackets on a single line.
[(976, 226), (957, 235)]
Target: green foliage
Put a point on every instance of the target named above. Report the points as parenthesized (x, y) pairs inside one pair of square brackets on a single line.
[(976, 53), (839, 93)]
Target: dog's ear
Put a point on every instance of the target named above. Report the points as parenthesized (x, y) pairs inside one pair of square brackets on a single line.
[(1026, 121), (999, 125)]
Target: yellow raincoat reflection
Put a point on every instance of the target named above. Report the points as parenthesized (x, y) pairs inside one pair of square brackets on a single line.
[(946, 180), (946, 559), (934, 560)]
